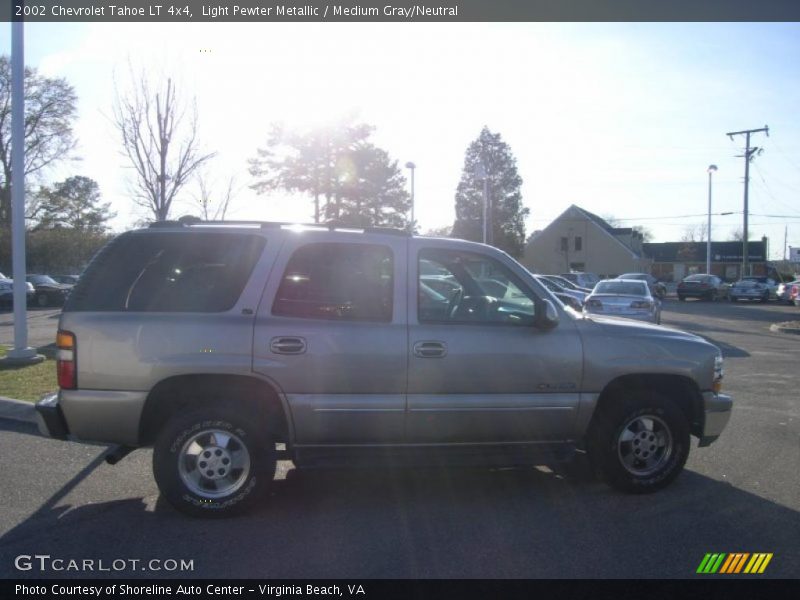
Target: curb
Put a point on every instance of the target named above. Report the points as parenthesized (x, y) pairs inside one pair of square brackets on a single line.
[(780, 328), (17, 410)]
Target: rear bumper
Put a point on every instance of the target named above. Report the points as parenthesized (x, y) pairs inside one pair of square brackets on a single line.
[(50, 418), (717, 408), (648, 317), (92, 415)]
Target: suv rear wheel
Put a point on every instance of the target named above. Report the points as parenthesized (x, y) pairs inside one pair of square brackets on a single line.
[(639, 443), (213, 462)]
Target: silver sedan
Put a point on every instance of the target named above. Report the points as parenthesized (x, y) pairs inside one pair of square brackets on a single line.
[(629, 298)]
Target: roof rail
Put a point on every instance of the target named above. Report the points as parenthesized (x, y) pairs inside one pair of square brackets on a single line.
[(330, 226), (159, 224)]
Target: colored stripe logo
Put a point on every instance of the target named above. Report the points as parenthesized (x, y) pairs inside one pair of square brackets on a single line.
[(733, 563)]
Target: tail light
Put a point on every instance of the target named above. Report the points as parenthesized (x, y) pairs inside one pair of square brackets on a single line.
[(594, 303), (795, 292), (65, 360), (641, 304)]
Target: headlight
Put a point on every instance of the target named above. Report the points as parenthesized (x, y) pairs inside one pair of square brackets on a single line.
[(719, 372)]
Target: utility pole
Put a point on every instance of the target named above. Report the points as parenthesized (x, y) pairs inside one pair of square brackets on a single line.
[(748, 155), (785, 235)]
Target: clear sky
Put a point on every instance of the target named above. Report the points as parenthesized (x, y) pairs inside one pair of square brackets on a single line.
[(621, 119)]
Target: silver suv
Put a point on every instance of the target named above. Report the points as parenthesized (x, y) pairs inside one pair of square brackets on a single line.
[(230, 346)]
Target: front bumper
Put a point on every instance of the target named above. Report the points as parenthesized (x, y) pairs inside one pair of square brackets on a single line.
[(717, 409), (50, 418)]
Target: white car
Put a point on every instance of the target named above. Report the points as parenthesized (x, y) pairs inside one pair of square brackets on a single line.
[(629, 298), (754, 288), (784, 290)]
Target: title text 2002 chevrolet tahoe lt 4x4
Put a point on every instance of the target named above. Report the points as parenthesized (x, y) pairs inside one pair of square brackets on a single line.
[(214, 343)]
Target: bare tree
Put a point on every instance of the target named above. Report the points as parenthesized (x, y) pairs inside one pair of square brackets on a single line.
[(160, 139), (695, 233), (213, 206), (50, 110), (737, 235)]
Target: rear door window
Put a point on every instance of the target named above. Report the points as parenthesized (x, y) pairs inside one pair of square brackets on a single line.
[(339, 281)]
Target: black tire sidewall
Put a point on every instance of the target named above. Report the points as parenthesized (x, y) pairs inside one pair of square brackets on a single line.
[(608, 426), (168, 446)]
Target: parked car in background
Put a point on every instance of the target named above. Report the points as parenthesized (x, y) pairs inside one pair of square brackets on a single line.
[(68, 279), (657, 289), (567, 284), (629, 298), (7, 291), (704, 286), (48, 292), (794, 294), (561, 292), (750, 288), (768, 282), (585, 280), (783, 293), (569, 301)]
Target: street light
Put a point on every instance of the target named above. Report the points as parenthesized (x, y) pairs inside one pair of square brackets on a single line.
[(481, 175), (411, 166), (711, 169)]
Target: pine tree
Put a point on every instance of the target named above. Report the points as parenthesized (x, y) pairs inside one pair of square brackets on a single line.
[(374, 192), (507, 214), (359, 183), (74, 203)]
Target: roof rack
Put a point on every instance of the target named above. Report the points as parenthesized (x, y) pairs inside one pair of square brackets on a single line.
[(330, 226)]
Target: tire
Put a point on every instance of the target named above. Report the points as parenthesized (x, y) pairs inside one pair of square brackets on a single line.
[(712, 296), (764, 298), (682, 298), (42, 300), (639, 443), (241, 461)]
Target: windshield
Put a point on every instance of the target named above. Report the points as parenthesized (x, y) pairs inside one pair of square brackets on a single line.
[(42, 280)]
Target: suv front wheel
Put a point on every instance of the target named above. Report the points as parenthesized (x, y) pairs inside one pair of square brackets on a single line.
[(639, 443), (213, 462)]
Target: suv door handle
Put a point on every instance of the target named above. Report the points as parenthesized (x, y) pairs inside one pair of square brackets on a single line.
[(287, 345), (430, 349)]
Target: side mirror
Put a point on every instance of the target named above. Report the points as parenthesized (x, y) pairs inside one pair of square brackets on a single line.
[(546, 315)]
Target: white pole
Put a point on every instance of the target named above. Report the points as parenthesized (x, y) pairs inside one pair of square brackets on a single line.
[(411, 166), (711, 169), (21, 351)]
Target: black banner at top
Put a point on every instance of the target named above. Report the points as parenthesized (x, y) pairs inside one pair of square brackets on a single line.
[(399, 10)]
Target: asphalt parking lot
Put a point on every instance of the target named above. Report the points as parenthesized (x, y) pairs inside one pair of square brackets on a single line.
[(741, 494)]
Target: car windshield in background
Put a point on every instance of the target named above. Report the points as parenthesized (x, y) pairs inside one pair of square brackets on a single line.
[(42, 280), (622, 288), (700, 278)]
